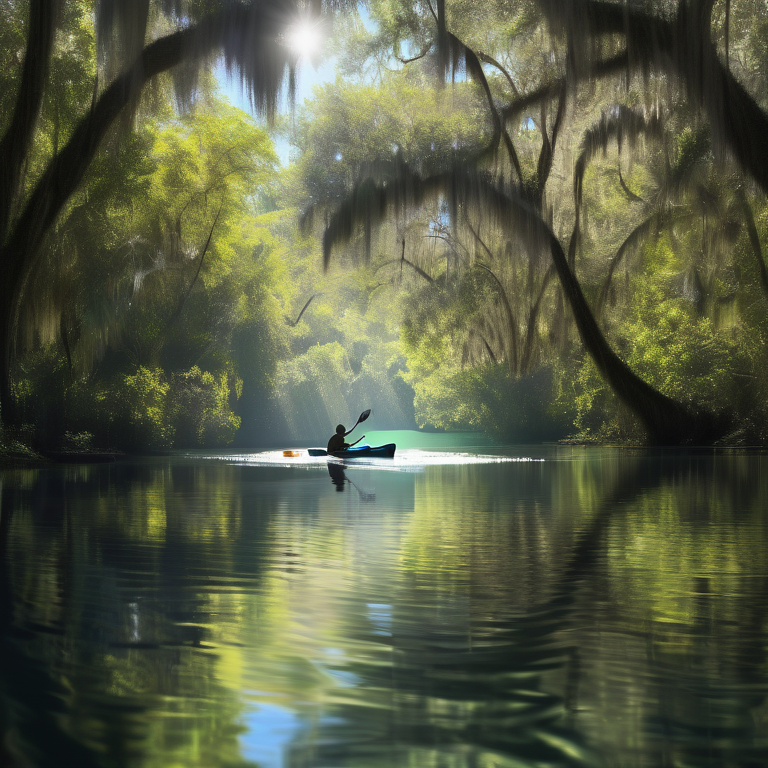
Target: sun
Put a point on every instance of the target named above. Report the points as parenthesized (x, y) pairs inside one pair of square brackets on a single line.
[(304, 38)]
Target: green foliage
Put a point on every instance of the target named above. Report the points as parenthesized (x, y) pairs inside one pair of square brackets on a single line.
[(156, 287), (140, 404), (597, 417), (78, 441), (456, 385), (134, 410), (693, 146), (683, 355), (200, 408), (488, 400), (675, 349), (350, 126), (14, 451)]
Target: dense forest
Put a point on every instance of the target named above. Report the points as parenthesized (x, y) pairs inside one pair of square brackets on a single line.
[(541, 219)]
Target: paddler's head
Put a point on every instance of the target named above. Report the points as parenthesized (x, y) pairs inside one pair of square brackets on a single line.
[(340, 430)]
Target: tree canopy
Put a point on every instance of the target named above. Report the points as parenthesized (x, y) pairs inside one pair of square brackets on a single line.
[(550, 217), (648, 80)]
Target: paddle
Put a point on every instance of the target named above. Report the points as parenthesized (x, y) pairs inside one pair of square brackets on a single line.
[(363, 416)]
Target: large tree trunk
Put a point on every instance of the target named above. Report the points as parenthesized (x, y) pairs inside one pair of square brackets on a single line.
[(14, 147), (666, 421)]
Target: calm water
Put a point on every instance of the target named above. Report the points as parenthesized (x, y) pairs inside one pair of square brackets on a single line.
[(599, 607)]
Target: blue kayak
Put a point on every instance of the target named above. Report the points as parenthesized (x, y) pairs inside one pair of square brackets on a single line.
[(359, 452)]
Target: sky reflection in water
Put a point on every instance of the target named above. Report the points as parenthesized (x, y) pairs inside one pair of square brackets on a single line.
[(600, 607)]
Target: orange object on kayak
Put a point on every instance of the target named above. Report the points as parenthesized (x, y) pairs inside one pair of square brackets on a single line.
[(292, 454)]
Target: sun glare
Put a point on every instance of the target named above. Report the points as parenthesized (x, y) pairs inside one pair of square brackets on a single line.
[(304, 38)]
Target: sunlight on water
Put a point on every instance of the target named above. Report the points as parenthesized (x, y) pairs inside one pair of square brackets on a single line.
[(408, 460)]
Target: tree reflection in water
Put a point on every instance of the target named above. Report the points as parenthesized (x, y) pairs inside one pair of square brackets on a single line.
[(604, 609)]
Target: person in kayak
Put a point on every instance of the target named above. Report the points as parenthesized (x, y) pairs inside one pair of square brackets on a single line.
[(336, 443)]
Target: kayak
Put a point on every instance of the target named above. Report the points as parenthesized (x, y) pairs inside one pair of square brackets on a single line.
[(359, 452)]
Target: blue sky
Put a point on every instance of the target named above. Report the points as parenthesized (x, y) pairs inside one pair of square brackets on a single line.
[(307, 77)]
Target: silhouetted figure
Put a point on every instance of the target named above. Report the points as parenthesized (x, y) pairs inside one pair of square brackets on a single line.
[(336, 443)]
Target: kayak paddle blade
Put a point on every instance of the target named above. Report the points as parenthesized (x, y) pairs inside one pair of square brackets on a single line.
[(363, 416)]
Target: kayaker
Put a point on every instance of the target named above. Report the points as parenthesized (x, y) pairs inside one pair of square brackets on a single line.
[(336, 443)]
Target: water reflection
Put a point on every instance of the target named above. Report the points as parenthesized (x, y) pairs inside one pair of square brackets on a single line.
[(600, 607), (339, 478)]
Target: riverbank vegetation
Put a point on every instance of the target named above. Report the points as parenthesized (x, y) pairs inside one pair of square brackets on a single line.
[(543, 221)]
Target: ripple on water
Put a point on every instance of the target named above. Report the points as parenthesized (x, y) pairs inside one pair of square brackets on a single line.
[(444, 609)]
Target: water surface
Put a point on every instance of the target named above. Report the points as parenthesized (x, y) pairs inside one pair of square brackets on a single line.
[(487, 607)]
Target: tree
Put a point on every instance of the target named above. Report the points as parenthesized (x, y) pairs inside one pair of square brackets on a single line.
[(248, 36), (693, 61), (188, 286)]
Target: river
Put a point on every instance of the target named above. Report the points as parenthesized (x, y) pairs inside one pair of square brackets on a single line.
[(478, 607)]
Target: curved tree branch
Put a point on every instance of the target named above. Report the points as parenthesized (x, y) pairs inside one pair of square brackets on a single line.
[(532, 320), (414, 267), (547, 152), (294, 323), (648, 226), (681, 47), (490, 60), (622, 125), (418, 56), (486, 344), (183, 299), (627, 191), (605, 68), (459, 50)]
